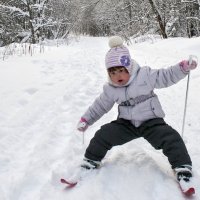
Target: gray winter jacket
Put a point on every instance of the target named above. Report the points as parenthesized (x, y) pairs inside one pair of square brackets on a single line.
[(143, 82)]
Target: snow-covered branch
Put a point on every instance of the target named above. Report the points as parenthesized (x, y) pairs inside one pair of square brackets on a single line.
[(195, 18), (189, 1), (14, 9)]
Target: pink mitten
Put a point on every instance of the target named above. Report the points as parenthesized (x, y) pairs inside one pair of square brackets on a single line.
[(186, 66), (82, 125)]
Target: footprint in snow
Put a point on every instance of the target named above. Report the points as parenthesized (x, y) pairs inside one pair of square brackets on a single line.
[(31, 91), (23, 102)]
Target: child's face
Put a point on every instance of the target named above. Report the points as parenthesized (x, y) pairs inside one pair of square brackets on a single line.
[(119, 75)]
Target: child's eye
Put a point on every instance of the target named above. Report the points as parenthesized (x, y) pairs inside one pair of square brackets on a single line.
[(112, 73)]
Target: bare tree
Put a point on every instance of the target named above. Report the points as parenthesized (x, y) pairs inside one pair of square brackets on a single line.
[(32, 20), (158, 18), (192, 16), (30, 16)]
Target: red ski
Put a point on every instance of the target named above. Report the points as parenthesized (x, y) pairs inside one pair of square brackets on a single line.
[(67, 183)]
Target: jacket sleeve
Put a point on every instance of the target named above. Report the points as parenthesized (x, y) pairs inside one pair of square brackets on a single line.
[(100, 106), (165, 77)]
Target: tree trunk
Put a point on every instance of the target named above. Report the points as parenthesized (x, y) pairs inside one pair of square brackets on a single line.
[(31, 24), (159, 19)]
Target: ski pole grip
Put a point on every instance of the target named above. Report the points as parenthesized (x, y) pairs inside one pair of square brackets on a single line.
[(193, 58)]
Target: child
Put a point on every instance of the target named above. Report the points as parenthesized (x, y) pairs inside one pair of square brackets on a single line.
[(139, 112)]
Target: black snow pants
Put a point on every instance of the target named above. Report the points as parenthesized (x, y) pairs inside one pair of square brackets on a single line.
[(159, 134)]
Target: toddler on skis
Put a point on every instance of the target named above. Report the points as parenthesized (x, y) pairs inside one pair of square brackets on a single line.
[(139, 111)]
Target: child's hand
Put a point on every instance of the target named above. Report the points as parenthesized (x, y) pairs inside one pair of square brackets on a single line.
[(187, 66), (82, 125)]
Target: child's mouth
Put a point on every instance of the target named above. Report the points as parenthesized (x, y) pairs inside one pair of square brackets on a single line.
[(120, 82)]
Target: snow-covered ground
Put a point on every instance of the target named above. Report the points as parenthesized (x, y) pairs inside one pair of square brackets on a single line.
[(41, 100)]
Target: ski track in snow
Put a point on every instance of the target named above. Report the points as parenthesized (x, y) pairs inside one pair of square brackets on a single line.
[(39, 143)]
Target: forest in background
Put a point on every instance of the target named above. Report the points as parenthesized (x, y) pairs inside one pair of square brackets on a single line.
[(35, 20)]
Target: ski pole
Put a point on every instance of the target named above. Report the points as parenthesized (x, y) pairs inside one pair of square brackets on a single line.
[(186, 98), (82, 127), (83, 124), (191, 58), (83, 138)]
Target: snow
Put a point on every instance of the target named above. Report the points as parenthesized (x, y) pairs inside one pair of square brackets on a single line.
[(41, 100)]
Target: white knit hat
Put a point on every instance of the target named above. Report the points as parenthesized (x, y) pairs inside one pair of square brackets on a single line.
[(118, 55)]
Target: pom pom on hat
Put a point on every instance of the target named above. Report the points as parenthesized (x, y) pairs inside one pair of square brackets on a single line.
[(115, 41)]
